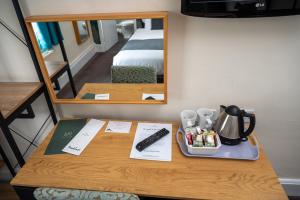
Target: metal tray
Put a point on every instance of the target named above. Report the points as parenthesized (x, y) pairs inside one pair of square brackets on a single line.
[(244, 151)]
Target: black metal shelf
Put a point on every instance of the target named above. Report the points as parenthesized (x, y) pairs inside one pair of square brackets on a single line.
[(26, 104)]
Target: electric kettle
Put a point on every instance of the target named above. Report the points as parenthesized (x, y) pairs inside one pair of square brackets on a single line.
[(230, 125)]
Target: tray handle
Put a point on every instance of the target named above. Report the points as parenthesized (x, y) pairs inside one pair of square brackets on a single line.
[(255, 145), (180, 142)]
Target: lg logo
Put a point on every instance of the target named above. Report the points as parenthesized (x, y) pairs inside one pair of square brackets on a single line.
[(259, 5)]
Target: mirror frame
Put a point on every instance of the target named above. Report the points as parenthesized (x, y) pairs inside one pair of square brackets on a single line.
[(76, 31), (98, 16)]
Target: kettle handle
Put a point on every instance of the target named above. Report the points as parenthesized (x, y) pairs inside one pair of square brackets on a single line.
[(251, 126)]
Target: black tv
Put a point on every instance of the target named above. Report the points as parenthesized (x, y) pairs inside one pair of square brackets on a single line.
[(240, 8)]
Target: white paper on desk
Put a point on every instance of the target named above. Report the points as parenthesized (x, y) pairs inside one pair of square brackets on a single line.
[(161, 150), (84, 137), (102, 96), (155, 96), (118, 127)]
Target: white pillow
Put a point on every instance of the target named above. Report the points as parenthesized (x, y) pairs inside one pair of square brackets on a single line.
[(147, 24)]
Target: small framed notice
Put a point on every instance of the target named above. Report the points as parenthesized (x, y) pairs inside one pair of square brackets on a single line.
[(118, 127), (102, 96), (147, 96)]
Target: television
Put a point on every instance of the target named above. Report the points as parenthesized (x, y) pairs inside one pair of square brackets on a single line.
[(240, 8)]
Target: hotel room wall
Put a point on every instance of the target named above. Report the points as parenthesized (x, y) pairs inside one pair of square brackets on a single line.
[(108, 35), (16, 66), (73, 50), (253, 63), (78, 55), (11, 47)]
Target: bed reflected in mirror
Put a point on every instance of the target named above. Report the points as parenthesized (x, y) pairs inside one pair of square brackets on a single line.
[(105, 60)]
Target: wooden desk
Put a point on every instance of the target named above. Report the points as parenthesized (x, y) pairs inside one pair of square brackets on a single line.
[(121, 92), (12, 95), (15, 97), (105, 165)]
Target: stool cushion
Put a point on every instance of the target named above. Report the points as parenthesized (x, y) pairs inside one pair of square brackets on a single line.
[(72, 194), (133, 74)]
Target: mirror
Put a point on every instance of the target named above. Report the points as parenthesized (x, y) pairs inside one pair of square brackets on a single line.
[(81, 31), (103, 58)]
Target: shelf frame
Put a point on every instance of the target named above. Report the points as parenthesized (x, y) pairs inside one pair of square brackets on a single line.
[(5, 121)]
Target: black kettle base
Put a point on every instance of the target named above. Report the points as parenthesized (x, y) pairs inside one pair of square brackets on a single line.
[(230, 142)]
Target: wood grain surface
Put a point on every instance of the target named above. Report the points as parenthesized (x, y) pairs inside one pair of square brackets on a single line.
[(12, 95), (121, 92), (96, 16), (105, 166)]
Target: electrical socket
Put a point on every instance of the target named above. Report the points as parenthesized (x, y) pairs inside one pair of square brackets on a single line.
[(248, 110)]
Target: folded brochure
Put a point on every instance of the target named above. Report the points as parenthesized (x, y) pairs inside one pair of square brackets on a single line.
[(84, 137), (65, 131)]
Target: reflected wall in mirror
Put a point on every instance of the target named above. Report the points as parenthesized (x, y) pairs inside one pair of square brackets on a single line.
[(119, 59), (81, 31)]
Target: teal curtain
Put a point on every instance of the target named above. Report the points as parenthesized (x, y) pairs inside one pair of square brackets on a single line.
[(47, 36)]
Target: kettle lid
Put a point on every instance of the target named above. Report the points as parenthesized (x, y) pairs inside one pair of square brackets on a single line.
[(233, 110)]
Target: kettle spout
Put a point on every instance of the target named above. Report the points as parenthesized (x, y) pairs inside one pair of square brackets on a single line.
[(222, 108)]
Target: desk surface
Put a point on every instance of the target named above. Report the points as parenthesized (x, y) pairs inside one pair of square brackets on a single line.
[(121, 91), (105, 165), (12, 95), (54, 67)]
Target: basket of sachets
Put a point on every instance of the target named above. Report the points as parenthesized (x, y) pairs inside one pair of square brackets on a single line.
[(198, 136), (201, 141)]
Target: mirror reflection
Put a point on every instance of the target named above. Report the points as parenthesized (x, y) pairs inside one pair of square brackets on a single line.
[(81, 31), (104, 59)]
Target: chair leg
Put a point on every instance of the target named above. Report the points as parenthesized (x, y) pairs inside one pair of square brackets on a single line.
[(3, 155), (57, 86), (50, 105), (12, 143), (71, 81)]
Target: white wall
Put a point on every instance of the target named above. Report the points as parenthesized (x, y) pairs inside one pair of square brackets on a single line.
[(108, 35), (253, 63), (73, 50), (78, 55), (16, 65), (12, 69)]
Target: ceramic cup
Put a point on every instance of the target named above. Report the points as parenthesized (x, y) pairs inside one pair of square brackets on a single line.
[(188, 118), (206, 117)]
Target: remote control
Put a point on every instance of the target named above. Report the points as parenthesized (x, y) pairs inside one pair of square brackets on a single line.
[(151, 139)]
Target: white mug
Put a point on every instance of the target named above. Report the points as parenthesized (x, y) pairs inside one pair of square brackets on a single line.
[(188, 118), (206, 117)]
